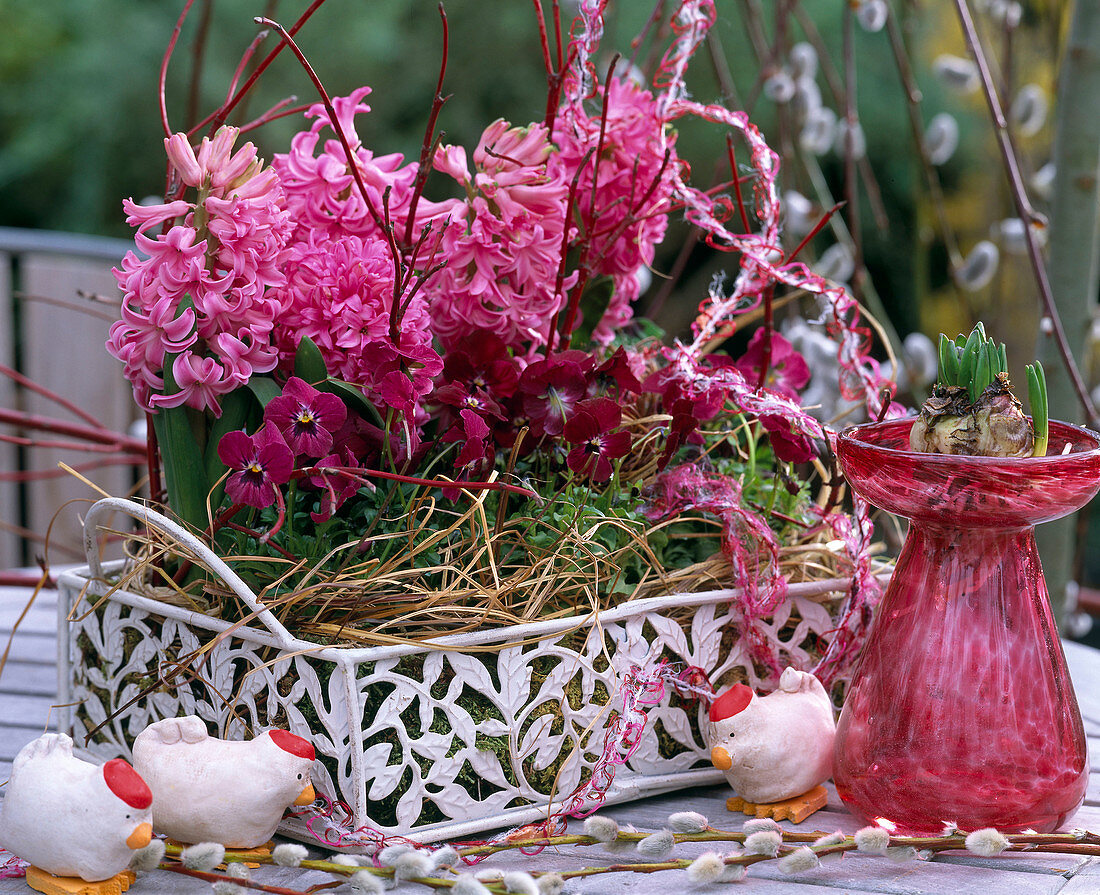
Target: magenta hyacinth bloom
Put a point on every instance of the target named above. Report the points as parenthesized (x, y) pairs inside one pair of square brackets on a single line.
[(591, 430), (260, 463), (308, 418)]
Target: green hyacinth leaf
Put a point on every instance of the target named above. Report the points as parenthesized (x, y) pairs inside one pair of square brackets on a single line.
[(1037, 398), (181, 435), (309, 364)]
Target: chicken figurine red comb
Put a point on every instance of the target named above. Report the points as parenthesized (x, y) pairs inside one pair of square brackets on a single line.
[(775, 750), (71, 818), (233, 792)]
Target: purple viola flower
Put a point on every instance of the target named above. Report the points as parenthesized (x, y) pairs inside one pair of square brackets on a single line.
[(306, 417), (259, 464)]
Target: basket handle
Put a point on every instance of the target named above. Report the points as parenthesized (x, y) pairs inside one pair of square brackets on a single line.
[(94, 520)]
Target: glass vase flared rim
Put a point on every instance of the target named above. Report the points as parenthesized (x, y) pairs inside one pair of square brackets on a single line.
[(1069, 433)]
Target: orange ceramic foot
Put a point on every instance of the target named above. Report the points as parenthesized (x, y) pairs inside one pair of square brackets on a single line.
[(41, 881), (795, 810)]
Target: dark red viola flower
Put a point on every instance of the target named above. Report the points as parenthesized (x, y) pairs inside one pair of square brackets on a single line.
[(331, 475), (462, 397), (592, 429), (616, 370), (417, 365), (787, 444), (482, 362), (307, 417), (395, 389), (705, 395), (689, 400), (473, 433), (681, 428), (260, 463), (788, 371), (551, 388), (359, 438)]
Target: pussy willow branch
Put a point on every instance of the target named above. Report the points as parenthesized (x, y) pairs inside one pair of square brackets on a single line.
[(1077, 843), (851, 179), (836, 88), (96, 434), (1024, 211), (913, 99), (28, 383)]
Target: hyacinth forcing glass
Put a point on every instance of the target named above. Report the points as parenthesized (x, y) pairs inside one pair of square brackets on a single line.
[(961, 707)]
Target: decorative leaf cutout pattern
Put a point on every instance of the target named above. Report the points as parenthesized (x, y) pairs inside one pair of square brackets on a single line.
[(433, 737)]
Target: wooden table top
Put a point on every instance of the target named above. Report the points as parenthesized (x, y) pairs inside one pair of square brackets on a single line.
[(28, 685)]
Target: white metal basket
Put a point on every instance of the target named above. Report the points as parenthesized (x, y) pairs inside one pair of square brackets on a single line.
[(468, 733)]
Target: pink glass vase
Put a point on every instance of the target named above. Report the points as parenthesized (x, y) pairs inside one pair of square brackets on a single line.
[(961, 707)]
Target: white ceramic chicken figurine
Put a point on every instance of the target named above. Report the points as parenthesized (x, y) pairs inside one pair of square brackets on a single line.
[(70, 817), (233, 792), (773, 747)]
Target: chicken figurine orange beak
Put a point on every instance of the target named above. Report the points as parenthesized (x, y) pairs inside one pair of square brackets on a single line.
[(307, 796), (140, 837), (720, 758)]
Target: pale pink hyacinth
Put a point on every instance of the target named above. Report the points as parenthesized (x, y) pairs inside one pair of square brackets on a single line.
[(321, 193), (200, 293), (621, 217), (503, 243)]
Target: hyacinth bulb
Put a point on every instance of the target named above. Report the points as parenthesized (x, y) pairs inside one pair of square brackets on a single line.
[(994, 426), (973, 411)]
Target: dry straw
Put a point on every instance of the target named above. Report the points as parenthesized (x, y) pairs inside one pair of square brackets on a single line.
[(489, 574)]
